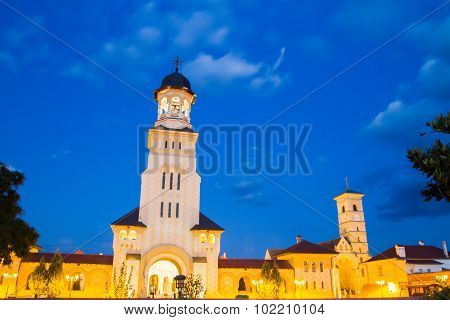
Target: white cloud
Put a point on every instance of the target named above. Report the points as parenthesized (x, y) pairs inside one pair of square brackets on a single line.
[(149, 34), (383, 118), (201, 26), (219, 35), (280, 59), (224, 69), (270, 79)]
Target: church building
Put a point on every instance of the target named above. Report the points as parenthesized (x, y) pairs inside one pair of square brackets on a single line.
[(167, 235)]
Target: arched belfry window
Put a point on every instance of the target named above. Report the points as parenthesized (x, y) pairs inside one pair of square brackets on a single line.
[(305, 266), (355, 208), (343, 208), (313, 266), (123, 235), (132, 235), (321, 266)]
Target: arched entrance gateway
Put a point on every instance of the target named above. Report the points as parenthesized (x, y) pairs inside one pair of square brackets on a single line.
[(160, 279)]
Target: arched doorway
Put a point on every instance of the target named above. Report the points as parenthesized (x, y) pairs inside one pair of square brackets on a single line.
[(160, 279)]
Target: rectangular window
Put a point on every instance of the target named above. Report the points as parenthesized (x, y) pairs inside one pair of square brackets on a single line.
[(173, 144), (177, 210), (169, 213), (323, 286), (179, 145), (163, 180), (161, 213), (171, 181), (165, 145), (178, 181)]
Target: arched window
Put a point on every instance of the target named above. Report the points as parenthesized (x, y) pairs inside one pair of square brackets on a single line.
[(179, 145), (305, 266), (123, 235), (313, 266), (323, 286), (132, 235), (306, 284), (321, 266), (171, 181), (357, 228), (343, 209), (173, 144), (78, 285), (314, 285), (242, 286), (165, 145), (202, 238), (163, 180), (177, 210), (212, 239), (178, 181), (355, 208)]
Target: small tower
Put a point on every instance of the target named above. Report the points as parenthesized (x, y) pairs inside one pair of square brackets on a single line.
[(175, 99), (351, 221)]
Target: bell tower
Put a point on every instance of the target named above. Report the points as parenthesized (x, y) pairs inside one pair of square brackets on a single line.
[(351, 221), (175, 99)]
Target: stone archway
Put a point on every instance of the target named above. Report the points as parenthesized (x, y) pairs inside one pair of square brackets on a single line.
[(160, 278), (172, 254)]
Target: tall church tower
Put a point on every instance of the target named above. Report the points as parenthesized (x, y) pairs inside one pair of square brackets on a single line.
[(351, 222), (168, 235)]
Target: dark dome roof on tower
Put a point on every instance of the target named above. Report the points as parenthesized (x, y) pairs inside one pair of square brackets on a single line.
[(175, 80)]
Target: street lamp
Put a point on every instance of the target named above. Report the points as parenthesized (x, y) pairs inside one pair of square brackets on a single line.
[(257, 283), (381, 284), (299, 283), (179, 283), (9, 277), (71, 280)]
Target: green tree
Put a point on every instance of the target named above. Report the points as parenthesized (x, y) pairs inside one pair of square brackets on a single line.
[(434, 161), (272, 283), (16, 236), (193, 287), (439, 292), (45, 278), (121, 283)]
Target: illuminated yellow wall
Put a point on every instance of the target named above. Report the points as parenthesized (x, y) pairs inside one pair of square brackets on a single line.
[(392, 272)]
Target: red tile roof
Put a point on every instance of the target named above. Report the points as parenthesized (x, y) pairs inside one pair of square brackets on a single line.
[(308, 247), (71, 258), (412, 252), (251, 263)]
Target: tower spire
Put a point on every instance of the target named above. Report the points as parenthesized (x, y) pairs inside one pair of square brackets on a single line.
[(346, 184), (177, 63)]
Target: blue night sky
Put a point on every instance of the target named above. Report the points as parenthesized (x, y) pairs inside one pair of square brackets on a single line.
[(71, 127)]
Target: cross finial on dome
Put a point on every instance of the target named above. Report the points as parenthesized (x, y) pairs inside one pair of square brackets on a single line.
[(177, 63)]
